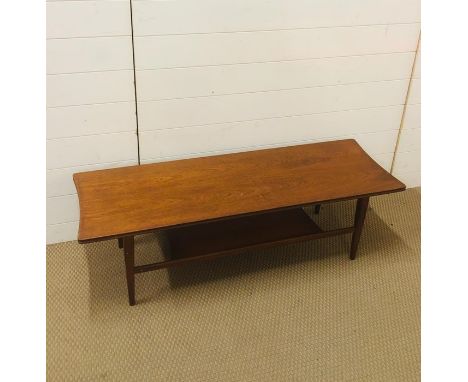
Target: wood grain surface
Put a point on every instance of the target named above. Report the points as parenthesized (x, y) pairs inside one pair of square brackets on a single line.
[(130, 200)]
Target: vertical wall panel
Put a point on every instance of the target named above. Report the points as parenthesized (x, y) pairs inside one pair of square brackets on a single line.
[(226, 76), (283, 75), (227, 137), (88, 54), (91, 120), (209, 16), (71, 19), (171, 51)]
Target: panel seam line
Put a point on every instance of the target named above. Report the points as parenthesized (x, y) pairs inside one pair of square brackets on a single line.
[(405, 105), (134, 81)]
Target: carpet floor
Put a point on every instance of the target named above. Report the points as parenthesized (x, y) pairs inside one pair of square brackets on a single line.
[(301, 312)]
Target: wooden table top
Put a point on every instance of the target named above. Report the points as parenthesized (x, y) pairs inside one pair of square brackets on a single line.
[(136, 199)]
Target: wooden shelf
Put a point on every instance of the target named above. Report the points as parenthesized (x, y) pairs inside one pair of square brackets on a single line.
[(238, 234)]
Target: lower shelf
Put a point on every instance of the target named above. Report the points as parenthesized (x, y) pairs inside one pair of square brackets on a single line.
[(205, 241), (238, 234)]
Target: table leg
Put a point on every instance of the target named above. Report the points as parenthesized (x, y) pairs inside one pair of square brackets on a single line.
[(120, 240), (317, 209), (129, 253), (359, 217)]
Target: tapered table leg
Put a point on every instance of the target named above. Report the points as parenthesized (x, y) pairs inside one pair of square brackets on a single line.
[(317, 209), (359, 217), (120, 240), (129, 253)]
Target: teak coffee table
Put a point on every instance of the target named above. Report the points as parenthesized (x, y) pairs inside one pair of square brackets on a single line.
[(225, 204)]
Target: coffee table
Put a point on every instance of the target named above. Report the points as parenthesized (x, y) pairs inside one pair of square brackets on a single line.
[(225, 204)]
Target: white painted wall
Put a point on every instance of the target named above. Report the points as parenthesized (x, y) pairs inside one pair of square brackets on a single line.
[(218, 76), (90, 101), (407, 165)]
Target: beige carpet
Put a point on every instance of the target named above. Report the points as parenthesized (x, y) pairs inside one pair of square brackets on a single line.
[(303, 312)]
